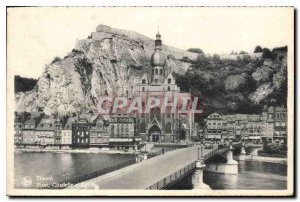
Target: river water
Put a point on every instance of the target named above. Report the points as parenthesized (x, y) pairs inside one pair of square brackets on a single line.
[(54, 167), (253, 175)]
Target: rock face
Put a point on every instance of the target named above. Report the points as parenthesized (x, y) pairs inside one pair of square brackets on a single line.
[(234, 81), (270, 77), (261, 92), (262, 74), (110, 62)]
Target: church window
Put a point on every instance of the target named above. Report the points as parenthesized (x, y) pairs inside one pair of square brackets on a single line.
[(143, 89), (156, 71), (144, 81), (169, 80), (160, 71), (143, 128), (169, 88), (168, 128)]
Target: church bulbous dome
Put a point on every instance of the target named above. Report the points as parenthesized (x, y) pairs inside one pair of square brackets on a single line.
[(158, 59)]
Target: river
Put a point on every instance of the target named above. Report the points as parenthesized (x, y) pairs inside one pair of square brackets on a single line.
[(253, 175), (54, 167)]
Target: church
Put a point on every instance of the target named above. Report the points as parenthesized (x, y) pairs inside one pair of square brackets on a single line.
[(156, 126)]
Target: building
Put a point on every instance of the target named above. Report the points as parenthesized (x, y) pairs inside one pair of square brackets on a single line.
[(123, 133), (159, 83), (81, 132), (267, 124), (99, 132), (271, 124), (58, 131), (18, 134), (28, 131), (214, 127), (45, 131), (280, 125), (66, 132)]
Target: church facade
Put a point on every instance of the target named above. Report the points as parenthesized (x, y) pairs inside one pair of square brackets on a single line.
[(155, 126)]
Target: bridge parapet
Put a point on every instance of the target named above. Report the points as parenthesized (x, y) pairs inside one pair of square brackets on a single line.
[(174, 177)]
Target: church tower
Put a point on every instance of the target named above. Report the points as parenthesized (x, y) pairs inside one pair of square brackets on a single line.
[(158, 62)]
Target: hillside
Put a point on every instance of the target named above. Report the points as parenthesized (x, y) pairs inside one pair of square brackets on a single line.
[(24, 84), (109, 62), (242, 85)]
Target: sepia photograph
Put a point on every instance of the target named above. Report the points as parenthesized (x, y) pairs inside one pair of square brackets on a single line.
[(150, 101)]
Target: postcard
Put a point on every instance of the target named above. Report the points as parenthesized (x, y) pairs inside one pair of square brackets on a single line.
[(150, 101)]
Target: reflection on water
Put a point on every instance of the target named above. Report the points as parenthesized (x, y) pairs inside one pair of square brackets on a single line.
[(54, 167), (252, 175)]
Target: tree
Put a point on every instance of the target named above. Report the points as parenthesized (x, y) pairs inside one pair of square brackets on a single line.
[(267, 54), (56, 59), (258, 49), (195, 50), (216, 57), (23, 84), (242, 52)]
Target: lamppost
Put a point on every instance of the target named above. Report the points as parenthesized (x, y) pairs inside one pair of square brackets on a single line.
[(200, 155)]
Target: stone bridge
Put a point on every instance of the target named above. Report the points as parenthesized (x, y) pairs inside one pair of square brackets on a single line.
[(165, 170)]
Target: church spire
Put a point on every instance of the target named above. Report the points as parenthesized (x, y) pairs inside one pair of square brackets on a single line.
[(158, 42)]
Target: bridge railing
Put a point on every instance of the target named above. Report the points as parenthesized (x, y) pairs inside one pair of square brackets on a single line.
[(92, 174), (178, 175), (160, 151), (214, 152), (174, 177)]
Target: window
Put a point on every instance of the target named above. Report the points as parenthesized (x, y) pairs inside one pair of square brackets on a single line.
[(169, 80), (144, 81), (143, 89), (156, 71), (168, 128), (169, 88), (143, 128), (156, 80)]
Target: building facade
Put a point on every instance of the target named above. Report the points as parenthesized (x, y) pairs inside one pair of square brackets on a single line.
[(280, 125), (81, 133), (155, 125), (45, 131), (99, 132), (271, 124), (66, 132), (123, 133)]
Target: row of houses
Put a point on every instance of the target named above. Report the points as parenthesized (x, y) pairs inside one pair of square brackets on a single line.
[(76, 132), (270, 124)]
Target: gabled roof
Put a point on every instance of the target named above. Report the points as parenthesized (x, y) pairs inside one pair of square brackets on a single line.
[(68, 125), (46, 124)]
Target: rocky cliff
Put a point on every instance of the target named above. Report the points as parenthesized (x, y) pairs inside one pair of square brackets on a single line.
[(109, 62)]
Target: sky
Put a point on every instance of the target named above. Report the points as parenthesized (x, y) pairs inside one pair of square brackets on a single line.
[(38, 34)]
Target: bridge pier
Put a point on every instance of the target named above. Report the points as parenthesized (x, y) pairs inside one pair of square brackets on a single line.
[(145, 156), (242, 156), (230, 167), (254, 151), (197, 178)]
